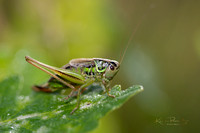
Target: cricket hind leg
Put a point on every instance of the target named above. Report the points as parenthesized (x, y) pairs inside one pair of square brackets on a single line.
[(43, 88), (50, 86)]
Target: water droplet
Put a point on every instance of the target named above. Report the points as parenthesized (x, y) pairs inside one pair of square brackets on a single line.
[(60, 106), (64, 116), (23, 99), (85, 105), (43, 129), (44, 117), (59, 99), (58, 112), (22, 117)]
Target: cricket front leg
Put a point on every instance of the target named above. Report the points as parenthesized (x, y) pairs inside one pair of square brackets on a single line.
[(107, 88), (107, 91), (89, 82)]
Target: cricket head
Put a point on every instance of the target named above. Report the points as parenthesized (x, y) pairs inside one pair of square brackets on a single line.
[(108, 67), (112, 69)]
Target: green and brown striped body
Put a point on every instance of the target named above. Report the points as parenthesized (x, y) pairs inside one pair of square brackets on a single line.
[(77, 75), (88, 68)]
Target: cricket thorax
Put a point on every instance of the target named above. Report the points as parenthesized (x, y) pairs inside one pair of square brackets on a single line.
[(88, 70), (97, 68)]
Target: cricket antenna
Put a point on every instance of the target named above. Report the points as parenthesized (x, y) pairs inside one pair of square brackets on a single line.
[(131, 38)]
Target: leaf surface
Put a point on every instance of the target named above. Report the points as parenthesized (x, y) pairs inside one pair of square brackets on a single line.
[(41, 112)]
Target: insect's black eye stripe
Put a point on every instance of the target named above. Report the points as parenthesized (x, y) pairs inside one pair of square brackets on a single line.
[(114, 64)]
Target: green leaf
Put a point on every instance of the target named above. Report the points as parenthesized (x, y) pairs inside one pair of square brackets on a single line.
[(41, 112)]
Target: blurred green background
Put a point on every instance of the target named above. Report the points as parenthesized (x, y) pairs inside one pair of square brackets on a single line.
[(164, 55)]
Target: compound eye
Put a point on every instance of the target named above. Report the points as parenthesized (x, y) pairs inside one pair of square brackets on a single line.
[(112, 67)]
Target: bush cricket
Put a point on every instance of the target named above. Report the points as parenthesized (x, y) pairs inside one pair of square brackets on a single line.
[(80, 73), (77, 74)]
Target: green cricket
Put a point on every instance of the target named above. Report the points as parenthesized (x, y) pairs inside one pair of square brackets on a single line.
[(77, 75), (80, 73)]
